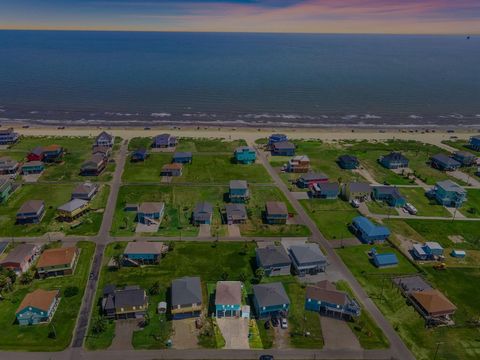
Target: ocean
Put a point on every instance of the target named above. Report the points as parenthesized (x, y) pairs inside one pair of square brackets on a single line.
[(147, 78)]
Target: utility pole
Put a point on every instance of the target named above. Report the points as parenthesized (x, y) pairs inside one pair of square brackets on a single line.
[(436, 350)]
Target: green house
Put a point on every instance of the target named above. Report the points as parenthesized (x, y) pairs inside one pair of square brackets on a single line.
[(6, 188)]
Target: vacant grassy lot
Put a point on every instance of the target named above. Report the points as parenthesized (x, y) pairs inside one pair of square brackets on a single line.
[(146, 171), (460, 145), (331, 216), (193, 145), (425, 206), (53, 196), (36, 338), (472, 207)]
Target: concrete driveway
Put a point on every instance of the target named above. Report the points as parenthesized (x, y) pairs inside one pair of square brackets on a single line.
[(235, 332), (185, 334), (123, 334), (233, 230), (338, 335), (204, 230)]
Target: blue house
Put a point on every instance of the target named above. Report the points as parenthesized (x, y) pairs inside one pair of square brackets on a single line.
[(448, 193), (182, 157), (394, 160), (348, 162), (245, 155), (475, 143), (465, 158), (275, 138), (139, 155), (384, 260), (202, 214), (32, 167), (150, 212), (37, 307), (238, 191), (8, 136), (428, 251), (283, 148), (444, 163), (276, 212), (164, 141), (143, 252), (390, 194), (329, 190), (270, 300), (228, 299), (325, 299), (367, 231)]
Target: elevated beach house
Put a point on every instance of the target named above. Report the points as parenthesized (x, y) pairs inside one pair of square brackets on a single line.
[(130, 302), (433, 306), (474, 143), (274, 260), (276, 213), (164, 141), (31, 212), (38, 307), (93, 166), (104, 151), (150, 212), (104, 139), (307, 259), (228, 299), (21, 258), (448, 193), (325, 190), (8, 166), (52, 153), (174, 169), (238, 191), (270, 300), (6, 189), (390, 194), (186, 298), (348, 162), (235, 214), (32, 167), (202, 214), (57, 262), (309, 179), (465, 158), (444, 163), (394, 160), (356, 191), (8, 136), (73, 209), (139, 155), (276, 138), (36, 154), (283, 148), (182, 157), (298, 164), (245, 155), (324, 298), (143, 252), (368, 232), (85, 191)]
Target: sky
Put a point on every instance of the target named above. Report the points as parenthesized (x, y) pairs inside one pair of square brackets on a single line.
[(304, 16)]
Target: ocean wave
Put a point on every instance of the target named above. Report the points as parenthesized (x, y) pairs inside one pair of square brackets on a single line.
[(370, 116), (162, 114)]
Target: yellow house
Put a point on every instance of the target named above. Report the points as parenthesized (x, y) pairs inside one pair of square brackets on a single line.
[(73, 209), (356, 191)]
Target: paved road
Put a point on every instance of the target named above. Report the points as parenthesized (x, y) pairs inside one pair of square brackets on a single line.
[(397, 347)]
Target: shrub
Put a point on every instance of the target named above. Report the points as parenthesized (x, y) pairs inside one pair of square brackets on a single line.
[(71, 291)]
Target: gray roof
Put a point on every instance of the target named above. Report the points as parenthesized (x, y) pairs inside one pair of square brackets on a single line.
[(144, 247), (359, 187), (276, 207), (32, 163), (272, 255), (31, 206), (314, 176), (104, 136), (465, 154), (94, 161), (203, 211), (186, 291), (85, 188), (328, 186), (228, 293), (73, 205), (307, 253), (150, 207), (449, 185), (19, 253), (284, 145), (7, 162), (236, 211), (445, 159), (270, 294), (395, 156), (130, 296), (238, 184)]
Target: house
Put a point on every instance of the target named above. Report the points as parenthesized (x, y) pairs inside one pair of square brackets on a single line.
[(202, 214), (348, 162), (276, 213), (31, 212), (139, 155), (390, 194), (8, 136), (186, 298), (8, 166), (309, 179), (465, 158), (164, 141), (270, 300), (105, 139), (104, 151), (458, 253), (174, 169), (228, 299), (283, 148), (6, 189), (325, 299), (38, 307), (245, 155), (444, 163), (473, 144), (307, 259), (73, 209), (356, 191), (36, 154), (93, 166), (85, 191), (367, 231), (182, 157), (276, 138), (432, 305), (20, 258), (32, 167), (52, 153), (394, 160), (274, 260), (130, 302), (448, 193), (235, 214), (298, 164), (57, 262), (384, 260), (238, 191), (143, 252), (431, 250), (326, 190), (150, 212)]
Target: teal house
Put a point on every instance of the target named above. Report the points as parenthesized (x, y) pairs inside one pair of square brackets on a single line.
[(38, 307), (245, 155), (228, 299), (448, 193), (6, 188), (390, 194), (32, 167), (270, 300), (238, 191)]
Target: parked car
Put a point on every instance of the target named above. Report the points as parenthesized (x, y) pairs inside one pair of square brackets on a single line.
[(266, 357), (275, 322), (284, 323), (267, 325), (411, 209), (355, 203)]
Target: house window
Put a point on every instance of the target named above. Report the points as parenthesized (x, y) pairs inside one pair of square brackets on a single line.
[(263, 308), (134, 308), (309, 300), (121, 309)]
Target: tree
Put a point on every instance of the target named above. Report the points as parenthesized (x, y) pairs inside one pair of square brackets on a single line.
[(224, 276), (99, 325), (260, 273), (118, 259), (155, 288), (70, 291), (242, 277), (26, 278)]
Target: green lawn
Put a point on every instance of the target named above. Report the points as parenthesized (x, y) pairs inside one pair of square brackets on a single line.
[(35, 338), (331, 216), (425, 206), (146, 171), (380, 207), (460, 145), (472, 207), (53, 196), (193, 145)]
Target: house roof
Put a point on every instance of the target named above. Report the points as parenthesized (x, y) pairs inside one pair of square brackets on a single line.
[(164, 138), (6, 131), (228, 293), (31, 206), (465, 154), (32, 164), (130, 296), (270, 294), (370, 228), (359, 187), (419, 249), (450, 186), (4, 183), (104, 136), (325, 291), (447, 160), (238, 184), (52, 147), (73, 205), (19, 253), (39, 299), (54, 257), (7, 162), (145, 247), (433, 301), (276, 207), (347, 158), (386, 259), (84, 188), (278, 136), (311, 176), (150, 207), (101, 149), (298, 158), (244, 148), (284, 145), (328, 186), (184, 154), (394, 156), (38, 150), (140, 151), (433, 245), (203, 210), (389, 190), (307, 253), (236, 211), (272, 255), (186, 291), (94, 160), (173, 166)]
